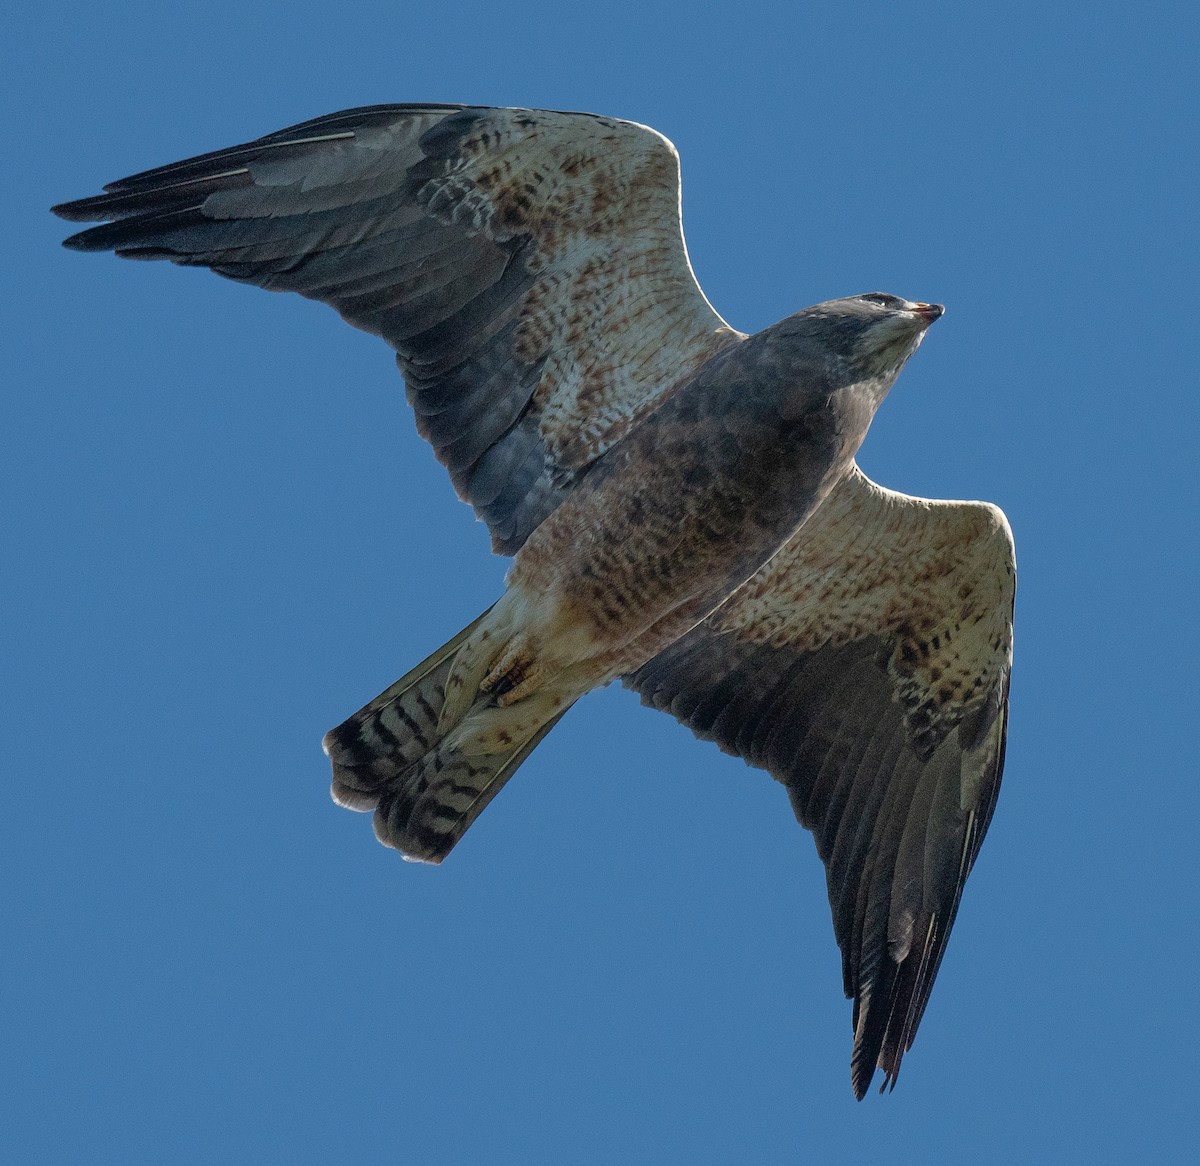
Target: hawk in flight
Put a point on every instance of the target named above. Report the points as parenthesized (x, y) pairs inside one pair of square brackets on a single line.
[(681, 501)]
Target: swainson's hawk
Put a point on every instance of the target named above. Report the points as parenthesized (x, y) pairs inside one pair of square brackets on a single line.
[(681, 500)]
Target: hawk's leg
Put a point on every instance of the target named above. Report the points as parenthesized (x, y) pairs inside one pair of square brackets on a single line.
[(517, 675)]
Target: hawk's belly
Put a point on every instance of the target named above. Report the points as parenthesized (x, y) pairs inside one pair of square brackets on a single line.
[(683, 512)]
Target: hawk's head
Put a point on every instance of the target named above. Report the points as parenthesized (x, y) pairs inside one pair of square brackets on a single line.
[(868, 337)]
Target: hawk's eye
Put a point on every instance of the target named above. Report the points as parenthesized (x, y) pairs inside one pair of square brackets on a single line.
[(884, 301)]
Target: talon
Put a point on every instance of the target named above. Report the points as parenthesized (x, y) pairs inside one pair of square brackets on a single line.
[(511, 671), (500, 684), (518, 685)]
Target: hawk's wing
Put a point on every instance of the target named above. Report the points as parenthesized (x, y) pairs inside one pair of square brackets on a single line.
[(528, 267), (866, 667)]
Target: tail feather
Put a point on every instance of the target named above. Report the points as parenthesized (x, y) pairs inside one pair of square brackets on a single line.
[(427, 782), (393, 732), (425, 814)]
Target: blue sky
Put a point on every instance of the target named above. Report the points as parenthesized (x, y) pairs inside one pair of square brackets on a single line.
[(222, 535)]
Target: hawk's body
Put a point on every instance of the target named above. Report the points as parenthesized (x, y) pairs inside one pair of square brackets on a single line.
[(681, 500)]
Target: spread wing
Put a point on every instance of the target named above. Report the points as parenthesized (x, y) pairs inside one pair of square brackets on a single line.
[(528, 267), (866, 667)]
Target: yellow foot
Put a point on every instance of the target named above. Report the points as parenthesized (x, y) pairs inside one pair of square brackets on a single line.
[(516, 676)]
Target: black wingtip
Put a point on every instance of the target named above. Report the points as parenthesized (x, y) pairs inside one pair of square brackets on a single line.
[(80, 210), (861, 1075), (80, 242), (105, 237), (861, 1080)]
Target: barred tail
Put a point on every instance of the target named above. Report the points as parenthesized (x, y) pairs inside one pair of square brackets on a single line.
[(385, 738), (425, 786)]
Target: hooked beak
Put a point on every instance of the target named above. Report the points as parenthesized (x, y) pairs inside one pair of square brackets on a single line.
[(929, 312)]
